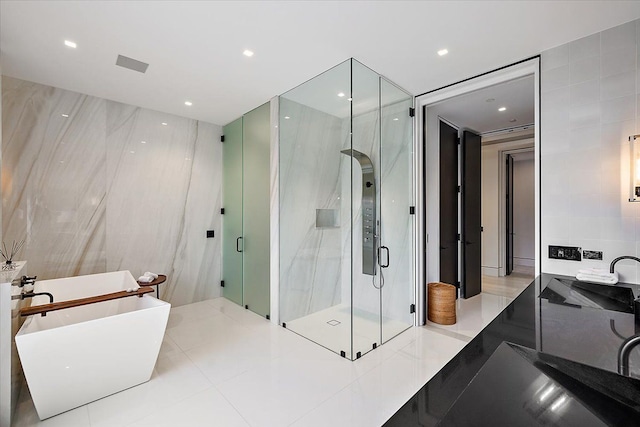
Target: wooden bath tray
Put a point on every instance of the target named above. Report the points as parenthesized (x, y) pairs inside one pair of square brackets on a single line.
[(45, 308)]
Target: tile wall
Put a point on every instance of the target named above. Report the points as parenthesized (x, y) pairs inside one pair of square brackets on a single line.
[(589, 108)]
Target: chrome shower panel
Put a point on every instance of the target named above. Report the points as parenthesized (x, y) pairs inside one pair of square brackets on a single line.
[(369, 235)]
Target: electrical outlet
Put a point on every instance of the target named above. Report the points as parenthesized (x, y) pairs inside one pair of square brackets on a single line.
[(597, 255), (209, 234), (567, 253)]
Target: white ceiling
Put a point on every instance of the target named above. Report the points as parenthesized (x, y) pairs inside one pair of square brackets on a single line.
[(477, 112), (195, 48)]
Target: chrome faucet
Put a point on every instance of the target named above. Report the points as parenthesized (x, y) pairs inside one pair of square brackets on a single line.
[(623, 354), (613, 263)]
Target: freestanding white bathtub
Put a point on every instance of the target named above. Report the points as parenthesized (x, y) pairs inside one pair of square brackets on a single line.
[(74, 356)]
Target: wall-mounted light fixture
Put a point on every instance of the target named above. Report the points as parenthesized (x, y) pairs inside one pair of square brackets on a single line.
[(634, 169)]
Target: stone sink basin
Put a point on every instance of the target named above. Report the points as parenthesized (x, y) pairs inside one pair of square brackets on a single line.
[(593, 295)]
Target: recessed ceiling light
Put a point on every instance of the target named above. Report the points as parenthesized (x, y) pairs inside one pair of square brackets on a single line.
[(287, 117), (71, 44), (65, 115), (395, 119), (132, 152), (341, 94), (490, 100), (443, 52), (61, 161), (502, 109), (248, 53), (164, 123), (188, 103), (143, 142), (513, 120)]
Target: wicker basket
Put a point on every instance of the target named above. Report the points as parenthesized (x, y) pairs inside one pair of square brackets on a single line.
[(441, 303)]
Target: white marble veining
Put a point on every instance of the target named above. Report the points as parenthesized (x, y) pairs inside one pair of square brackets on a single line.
[(168, 188), (91, 197), (310, 179), (53, 177)]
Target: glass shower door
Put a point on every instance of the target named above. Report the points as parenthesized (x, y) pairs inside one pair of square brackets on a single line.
[(396, 222), (256, 200), (365, 202), (232, 218)]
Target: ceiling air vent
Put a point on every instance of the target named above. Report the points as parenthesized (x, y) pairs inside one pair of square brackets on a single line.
[(132, 64)]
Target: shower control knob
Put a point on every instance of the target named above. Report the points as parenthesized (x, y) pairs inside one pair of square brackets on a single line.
[(369, 184)]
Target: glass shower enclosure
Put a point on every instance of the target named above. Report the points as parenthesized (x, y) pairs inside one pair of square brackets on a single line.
[(346, 192)]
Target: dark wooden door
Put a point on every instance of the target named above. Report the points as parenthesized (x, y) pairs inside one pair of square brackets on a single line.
[(448, 204), (471, 214), (509, 205)]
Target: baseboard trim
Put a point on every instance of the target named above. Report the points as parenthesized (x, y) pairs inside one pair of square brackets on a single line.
[(525, 262), (490, 271)]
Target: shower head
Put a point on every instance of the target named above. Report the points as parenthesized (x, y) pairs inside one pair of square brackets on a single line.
[(363, 159)]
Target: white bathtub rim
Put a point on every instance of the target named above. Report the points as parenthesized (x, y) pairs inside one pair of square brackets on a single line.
[(45, 285), (23, 329)]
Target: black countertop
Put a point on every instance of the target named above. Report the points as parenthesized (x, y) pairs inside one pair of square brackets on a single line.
[(566, 345)]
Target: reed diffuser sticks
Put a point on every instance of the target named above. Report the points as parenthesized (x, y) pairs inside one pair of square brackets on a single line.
[(8, 255)]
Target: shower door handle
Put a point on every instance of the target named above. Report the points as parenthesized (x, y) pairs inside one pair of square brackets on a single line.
[(380, 256), (238, 244)]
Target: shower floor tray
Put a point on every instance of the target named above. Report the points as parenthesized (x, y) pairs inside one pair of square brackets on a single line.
[(331, 328)]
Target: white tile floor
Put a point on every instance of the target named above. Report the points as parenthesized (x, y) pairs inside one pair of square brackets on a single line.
[(225, 366)]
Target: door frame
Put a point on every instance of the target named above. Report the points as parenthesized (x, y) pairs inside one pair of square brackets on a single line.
[(427, 256), (502, 237)]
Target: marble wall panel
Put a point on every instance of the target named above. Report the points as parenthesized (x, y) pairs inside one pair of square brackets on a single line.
[(91, 197), (53, 177), (311, 258)]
